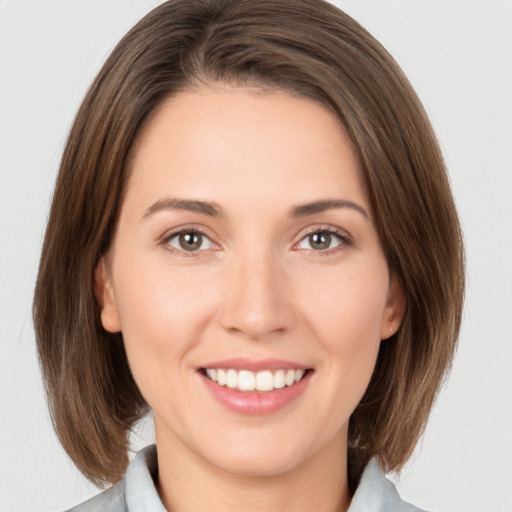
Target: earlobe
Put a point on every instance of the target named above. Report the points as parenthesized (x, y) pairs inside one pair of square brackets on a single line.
[(106, 299), (394, 311)]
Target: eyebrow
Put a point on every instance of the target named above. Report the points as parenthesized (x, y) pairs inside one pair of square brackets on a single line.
[(214, 210), (191, 205), (324, 205)]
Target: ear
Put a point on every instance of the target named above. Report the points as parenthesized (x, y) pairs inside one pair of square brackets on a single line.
[(395, 309), (106, 299)]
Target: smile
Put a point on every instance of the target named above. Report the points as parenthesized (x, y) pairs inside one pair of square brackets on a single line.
[(246, 380), (254, 387)]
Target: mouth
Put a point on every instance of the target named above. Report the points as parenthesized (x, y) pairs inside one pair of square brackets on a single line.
[(264, 381), (255, 387)]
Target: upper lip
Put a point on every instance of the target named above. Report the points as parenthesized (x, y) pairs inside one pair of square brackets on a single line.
[(255, 365)]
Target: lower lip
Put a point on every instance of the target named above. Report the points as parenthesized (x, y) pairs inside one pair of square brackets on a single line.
[(252, 403)]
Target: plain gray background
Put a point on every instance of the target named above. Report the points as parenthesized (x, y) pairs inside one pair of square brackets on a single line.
[(458, 56)]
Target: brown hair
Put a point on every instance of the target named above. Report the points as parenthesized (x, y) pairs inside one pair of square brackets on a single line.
[(312, 49)]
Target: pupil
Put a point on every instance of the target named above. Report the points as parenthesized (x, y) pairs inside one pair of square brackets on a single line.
[(190, 241), (320, 240)]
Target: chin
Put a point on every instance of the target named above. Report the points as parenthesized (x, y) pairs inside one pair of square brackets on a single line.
[(259, 464), (264, 454)]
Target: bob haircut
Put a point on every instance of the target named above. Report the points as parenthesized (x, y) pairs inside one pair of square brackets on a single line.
[(310, 49)]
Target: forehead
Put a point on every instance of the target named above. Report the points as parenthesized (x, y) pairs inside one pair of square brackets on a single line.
[(244, 141)]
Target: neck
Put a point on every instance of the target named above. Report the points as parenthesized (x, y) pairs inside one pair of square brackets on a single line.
[(187, 483)]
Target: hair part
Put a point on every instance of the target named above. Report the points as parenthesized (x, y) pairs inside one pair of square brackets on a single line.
[(308, 48)]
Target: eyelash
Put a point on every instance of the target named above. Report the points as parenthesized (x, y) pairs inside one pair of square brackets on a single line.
[(184, 231), (344, 241)]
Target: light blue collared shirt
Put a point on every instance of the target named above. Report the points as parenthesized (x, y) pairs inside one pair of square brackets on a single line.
[(136, 492)]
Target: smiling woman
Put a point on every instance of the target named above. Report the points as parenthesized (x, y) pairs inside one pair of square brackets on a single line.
[(241, 241), (266, 295)]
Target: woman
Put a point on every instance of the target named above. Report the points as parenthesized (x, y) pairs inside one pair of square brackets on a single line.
[(252, 235)]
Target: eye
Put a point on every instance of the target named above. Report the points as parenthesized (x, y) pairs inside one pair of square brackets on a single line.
[(322, 240), (189, 241)]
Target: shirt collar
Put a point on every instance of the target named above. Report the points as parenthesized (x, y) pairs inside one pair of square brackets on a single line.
[(375, 493)]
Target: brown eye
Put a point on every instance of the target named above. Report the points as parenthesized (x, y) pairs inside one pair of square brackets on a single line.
[(320, 241), (190, 241), (324, 240)]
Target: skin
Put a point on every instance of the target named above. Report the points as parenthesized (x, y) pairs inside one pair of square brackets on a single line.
[(256, 288)]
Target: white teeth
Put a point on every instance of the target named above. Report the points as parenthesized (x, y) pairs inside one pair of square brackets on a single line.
[(245, 380), (221, 377), (232, 379), (290, 377), (279, 381), (264, 381)]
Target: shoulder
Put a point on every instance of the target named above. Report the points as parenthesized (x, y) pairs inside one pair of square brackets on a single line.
[(111, 500), (136, 492), (375, 493)]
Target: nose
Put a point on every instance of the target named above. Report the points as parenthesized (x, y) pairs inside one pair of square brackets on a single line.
[(257, 301)]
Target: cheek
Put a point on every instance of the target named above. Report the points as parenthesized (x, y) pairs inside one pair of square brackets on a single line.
[(162, 317), (344, 310), (153, 296), (347, 304)]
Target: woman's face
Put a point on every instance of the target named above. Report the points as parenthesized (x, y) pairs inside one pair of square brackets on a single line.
[(246, 253)]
